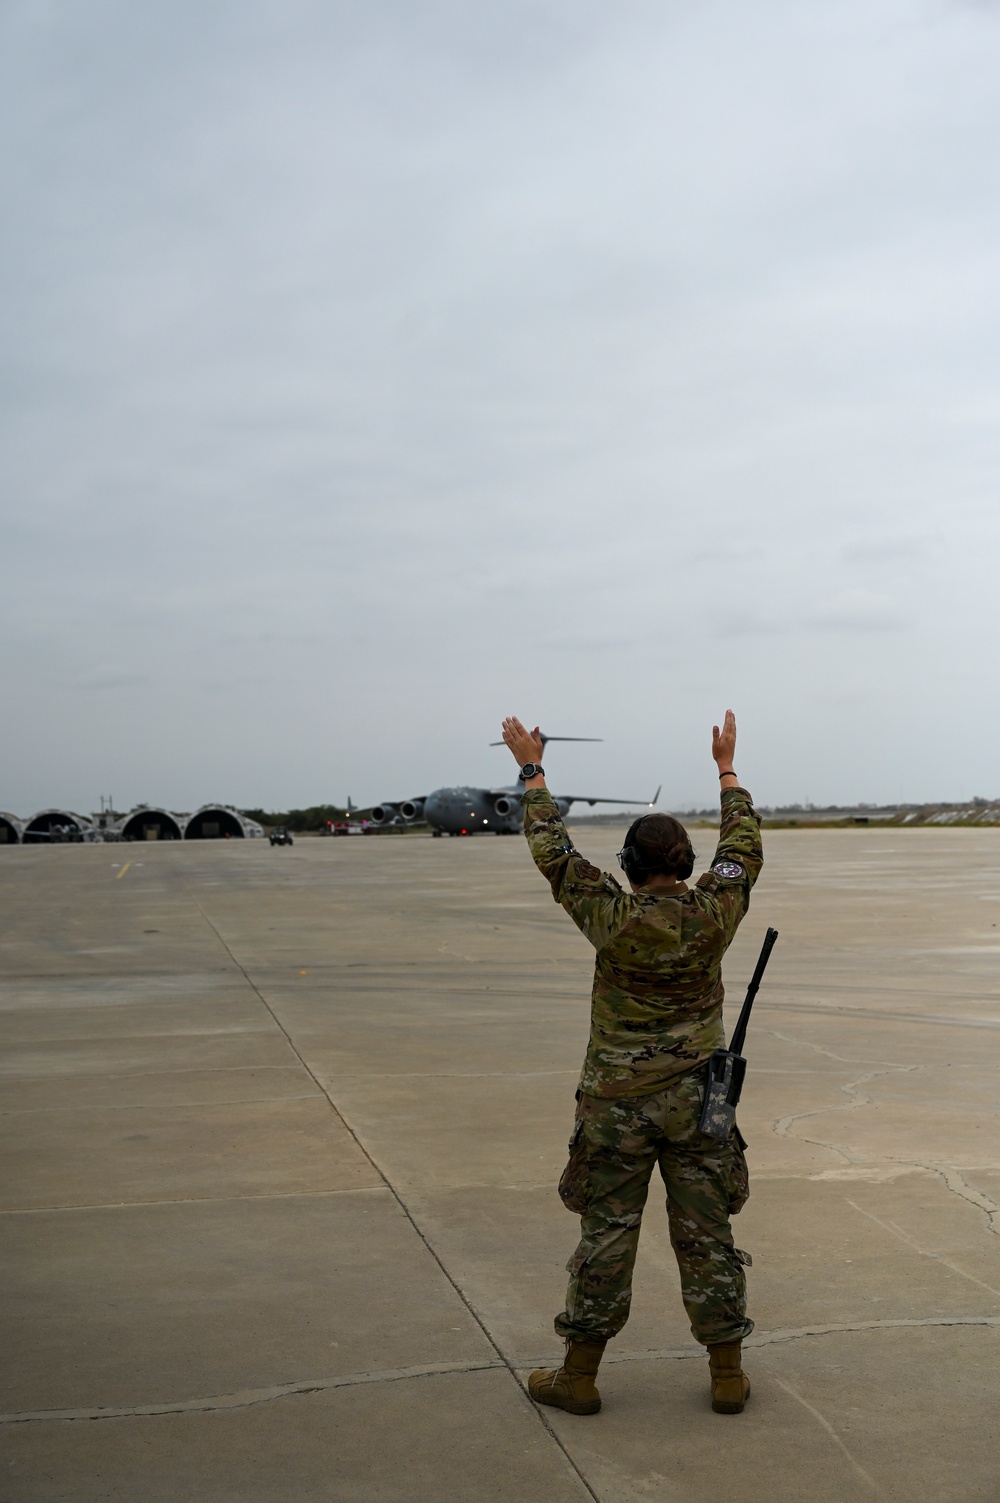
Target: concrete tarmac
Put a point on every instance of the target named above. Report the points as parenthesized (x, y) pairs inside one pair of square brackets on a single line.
[(283, 1129)]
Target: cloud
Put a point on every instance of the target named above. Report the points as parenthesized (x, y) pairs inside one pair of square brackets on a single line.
[(852, 611), (888, 550), (389, 365), (110, 676), (856, 610)]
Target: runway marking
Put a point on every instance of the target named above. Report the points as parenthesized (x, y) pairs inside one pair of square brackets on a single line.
[(121, 873), (793, 1393), (897, 1231)]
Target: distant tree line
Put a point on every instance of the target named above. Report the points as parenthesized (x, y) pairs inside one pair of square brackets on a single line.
[(316, 818)]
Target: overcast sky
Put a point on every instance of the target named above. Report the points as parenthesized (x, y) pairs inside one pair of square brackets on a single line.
[(373, 370)]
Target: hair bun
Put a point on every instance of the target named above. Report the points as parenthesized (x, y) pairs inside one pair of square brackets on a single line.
[(663, 847)]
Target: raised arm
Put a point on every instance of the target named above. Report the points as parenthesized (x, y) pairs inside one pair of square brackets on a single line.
[(592, 898), (739, 854)]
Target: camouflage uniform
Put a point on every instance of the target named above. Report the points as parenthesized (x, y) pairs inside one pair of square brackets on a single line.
[(656, 1016)]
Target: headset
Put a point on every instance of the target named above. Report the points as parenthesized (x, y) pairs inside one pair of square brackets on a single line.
[(629, 859)]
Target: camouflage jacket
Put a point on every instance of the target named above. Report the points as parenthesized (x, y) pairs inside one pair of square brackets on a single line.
[(656, 1007)]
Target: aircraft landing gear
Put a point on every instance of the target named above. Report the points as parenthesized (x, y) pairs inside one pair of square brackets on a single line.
[(436, 834)]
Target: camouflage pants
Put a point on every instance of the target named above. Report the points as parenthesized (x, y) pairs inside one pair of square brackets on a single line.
[(616, 1144)]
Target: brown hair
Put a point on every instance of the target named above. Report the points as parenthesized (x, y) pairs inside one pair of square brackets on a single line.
[(662, 846)]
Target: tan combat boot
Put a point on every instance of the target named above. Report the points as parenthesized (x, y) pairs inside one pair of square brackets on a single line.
[(571, 1387), (730, 1384)]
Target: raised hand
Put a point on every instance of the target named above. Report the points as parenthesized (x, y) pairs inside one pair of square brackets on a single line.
[(525, 745), (724, 743)]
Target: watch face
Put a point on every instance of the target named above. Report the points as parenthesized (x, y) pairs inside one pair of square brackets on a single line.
[(529, 769)]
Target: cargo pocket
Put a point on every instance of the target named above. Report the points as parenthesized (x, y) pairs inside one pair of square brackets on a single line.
[(578, 1262), (578, 1303), (574, 1182), (739, 1174)]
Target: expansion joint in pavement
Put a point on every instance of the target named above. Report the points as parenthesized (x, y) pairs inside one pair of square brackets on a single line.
[(503, 1360), (783, 1334), (245, 1398), (248, 1397)]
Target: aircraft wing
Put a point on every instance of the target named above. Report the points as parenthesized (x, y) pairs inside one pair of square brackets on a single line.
[(587, 798), (576, 798)]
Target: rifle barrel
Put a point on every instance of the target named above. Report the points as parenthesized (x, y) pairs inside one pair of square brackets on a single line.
[(739, 1036)]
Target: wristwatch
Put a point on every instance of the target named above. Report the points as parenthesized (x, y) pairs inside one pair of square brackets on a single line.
[(531, 770)]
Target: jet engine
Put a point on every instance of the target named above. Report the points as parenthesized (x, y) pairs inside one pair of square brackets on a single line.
[(506, 804), (383, 814), (412, 810)]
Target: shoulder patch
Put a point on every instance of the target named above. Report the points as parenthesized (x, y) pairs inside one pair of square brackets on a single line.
[(731, 869), (587, 870)]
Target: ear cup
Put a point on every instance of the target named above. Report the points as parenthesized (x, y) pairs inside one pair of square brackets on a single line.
[(628, 857)]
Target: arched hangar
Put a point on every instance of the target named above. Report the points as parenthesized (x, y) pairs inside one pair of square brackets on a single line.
[(151, 824), (10, 829), (217, 822), (53, 825)]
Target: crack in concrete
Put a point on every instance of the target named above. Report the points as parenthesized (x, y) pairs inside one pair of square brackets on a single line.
[(245, 1398), (857, 1099), (959, 1185), (786, 1038), (952, 1178), (248, 1397), (783, 1335)]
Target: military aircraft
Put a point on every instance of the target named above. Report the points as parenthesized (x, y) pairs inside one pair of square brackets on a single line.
[(477, 811)]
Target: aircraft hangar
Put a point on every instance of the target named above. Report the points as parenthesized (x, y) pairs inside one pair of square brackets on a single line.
[(217, 822), (10, 829), (48, 825), (147, 822)]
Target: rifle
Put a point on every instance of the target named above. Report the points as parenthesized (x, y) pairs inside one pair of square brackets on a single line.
[(727, 1067)]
